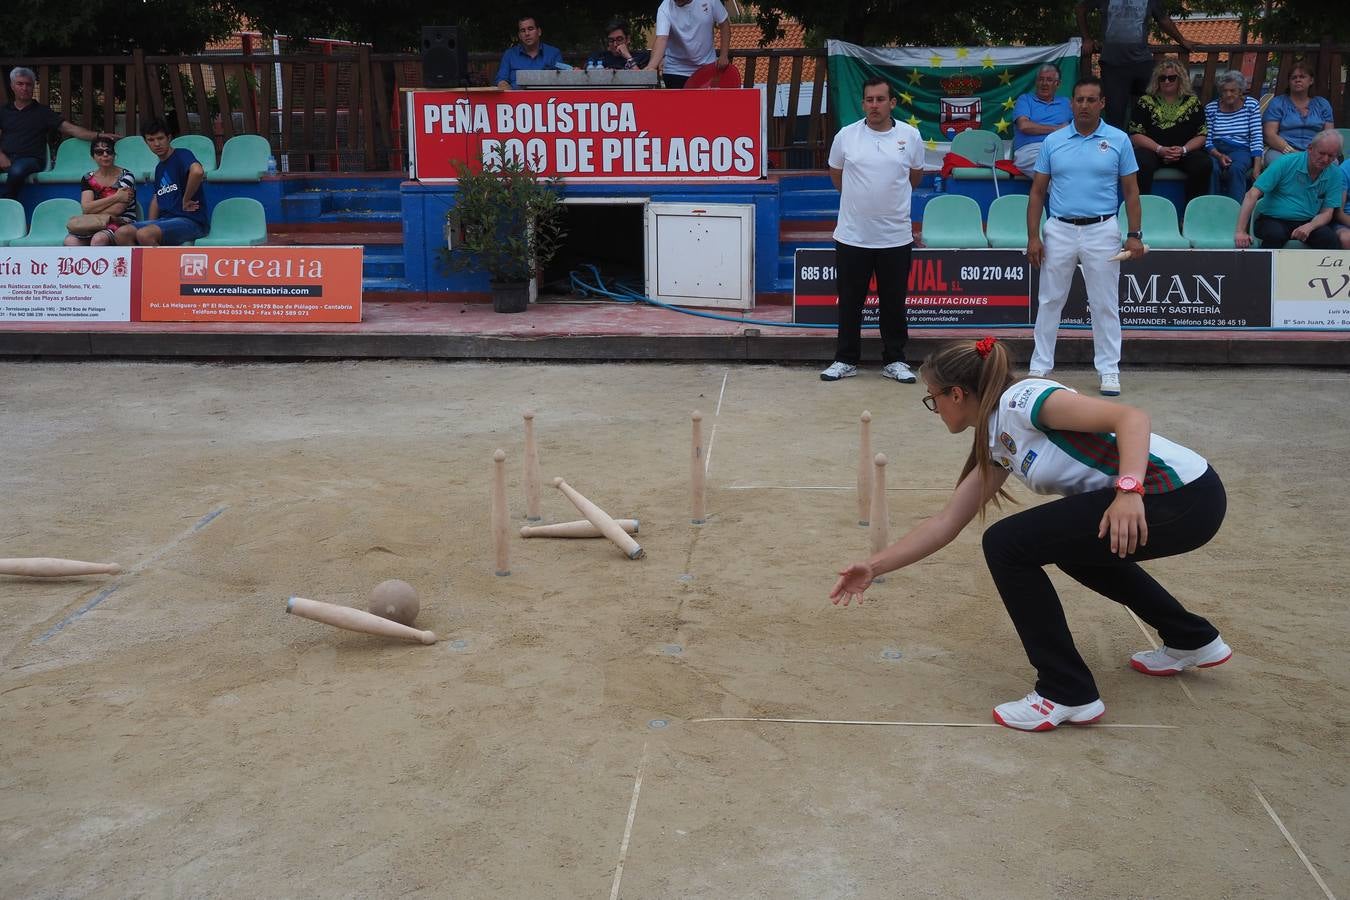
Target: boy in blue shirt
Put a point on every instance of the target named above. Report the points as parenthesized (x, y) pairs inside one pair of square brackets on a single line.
[(178, 209)]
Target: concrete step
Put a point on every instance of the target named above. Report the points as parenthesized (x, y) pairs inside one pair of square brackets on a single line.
[(360, 200), (811, 203), (382, 266), (344, 238), (387, 284), (360, 217)]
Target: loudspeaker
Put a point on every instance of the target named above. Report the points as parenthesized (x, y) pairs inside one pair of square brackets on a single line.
[(445, 56)]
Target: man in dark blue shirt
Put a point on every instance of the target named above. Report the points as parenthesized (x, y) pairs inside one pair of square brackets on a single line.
[(25, 125), (530, 54), (178, 209)]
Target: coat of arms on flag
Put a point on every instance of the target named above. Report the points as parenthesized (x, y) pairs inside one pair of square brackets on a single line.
[(956, 114)]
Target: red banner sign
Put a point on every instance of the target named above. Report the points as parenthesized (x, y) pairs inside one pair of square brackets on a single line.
[(592, 135)]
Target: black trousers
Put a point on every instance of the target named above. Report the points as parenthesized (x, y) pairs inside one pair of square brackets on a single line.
[(1198, 167), (854, 267), (1064, 533), (1121, 86), (1275, 233)]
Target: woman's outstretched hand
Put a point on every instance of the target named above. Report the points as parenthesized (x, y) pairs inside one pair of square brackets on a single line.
[(851, 584)]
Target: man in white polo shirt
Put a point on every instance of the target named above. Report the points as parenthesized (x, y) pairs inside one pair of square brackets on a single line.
[(684, 39), (1080, 165), (875, 163)]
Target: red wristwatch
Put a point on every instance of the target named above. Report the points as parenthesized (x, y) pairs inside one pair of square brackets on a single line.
[(1130, 485)]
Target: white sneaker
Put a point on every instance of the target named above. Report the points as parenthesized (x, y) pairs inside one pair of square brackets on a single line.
[(838, 370), (1037, 373), (1110, 385), (1166, 661), (1035, 713), (900, 372)]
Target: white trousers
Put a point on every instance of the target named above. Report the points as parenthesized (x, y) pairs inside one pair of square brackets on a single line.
[(1066, 248)]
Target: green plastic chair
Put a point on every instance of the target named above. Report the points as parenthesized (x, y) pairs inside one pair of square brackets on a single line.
[(1210, 222), (978, 146), (1159, 223), (13, 224), (236, 222), (1345, 142), (244, 158), (952, 221), (134, 155), (48, 228), (72, 163), (201, 147), (1007, 225)]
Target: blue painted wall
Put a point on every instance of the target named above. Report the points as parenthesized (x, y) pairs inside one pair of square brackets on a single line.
[(425, 207)]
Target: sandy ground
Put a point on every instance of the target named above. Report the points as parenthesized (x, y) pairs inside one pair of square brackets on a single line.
[(170, 732)]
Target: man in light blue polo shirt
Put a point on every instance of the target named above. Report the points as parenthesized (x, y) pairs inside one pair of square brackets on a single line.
[(1080, 166), (531, 54), (1302, 192), (1037, 114)]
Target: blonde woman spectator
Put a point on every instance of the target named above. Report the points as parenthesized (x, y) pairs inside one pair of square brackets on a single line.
[(1167, 129)]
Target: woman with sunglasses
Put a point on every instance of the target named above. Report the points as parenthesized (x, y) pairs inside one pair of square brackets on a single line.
[(1167, 129), (1126, 495), (109, 189)]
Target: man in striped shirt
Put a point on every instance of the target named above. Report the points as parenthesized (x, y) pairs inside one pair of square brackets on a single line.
[(1233, 137)]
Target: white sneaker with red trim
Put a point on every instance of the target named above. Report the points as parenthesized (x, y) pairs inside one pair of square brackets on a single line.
[(1035, 713), (1167, 661)]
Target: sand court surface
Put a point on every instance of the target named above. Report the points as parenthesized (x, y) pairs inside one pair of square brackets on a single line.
[(593, 726)]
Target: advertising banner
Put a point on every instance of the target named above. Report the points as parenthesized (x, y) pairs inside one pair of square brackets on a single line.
[(1311, 289), (250, 284), (65, 284), (946, 288), (1173, 288), (591, 135)]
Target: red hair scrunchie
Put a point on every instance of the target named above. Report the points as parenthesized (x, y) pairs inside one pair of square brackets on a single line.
[(984, 345)]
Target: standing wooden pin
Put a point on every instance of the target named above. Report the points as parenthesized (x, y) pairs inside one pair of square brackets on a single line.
[(499, 513), (864, 468), (601, 520), (879, 516), (696, 470), (531, 470)]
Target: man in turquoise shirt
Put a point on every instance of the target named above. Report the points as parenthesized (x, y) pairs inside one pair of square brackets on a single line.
[(1302, 193)]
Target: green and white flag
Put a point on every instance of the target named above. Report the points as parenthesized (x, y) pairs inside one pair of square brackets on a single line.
[(946, 90)]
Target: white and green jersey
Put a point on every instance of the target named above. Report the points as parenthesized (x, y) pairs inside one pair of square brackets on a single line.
[(1074, 462)]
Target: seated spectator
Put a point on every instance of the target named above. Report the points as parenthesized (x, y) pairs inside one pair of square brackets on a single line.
[(108, 190), (1233, 137), (530, 55), (1343, 214), (1167, 129), (617, 53), (178, 209), (1035, 115), (1302, 193), (1292, 118), (25, 127), (684, 39)]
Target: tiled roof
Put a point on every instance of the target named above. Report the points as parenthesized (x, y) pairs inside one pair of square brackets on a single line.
[(745, 36), (1206, 31)]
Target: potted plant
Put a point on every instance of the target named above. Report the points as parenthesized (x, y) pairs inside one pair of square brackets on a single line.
[(512, 226)]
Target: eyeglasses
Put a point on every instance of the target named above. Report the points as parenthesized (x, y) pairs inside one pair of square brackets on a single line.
[(615, 40), (930, 400), (1167, 78)]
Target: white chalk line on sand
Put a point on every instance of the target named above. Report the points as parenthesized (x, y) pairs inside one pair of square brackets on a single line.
[(134, 570), (722, 393), (1307, 863), (907, 724), (628, 826)]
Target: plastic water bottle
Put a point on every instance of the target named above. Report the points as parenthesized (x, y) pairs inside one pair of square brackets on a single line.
[(271, 165), (937, 184)]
